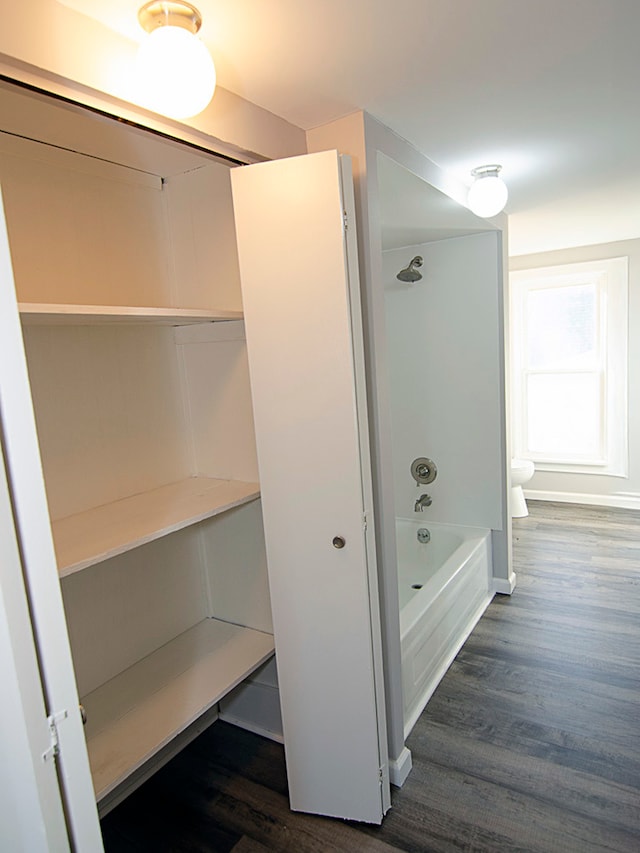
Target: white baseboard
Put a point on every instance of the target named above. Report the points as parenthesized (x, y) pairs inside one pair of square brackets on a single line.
[(505, 586), (629, 500), (400, 767)]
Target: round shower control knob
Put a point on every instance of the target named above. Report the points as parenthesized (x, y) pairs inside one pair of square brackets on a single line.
[(423, 470), (339, 542)]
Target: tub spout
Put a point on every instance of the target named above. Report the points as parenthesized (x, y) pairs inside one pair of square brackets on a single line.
[(422, 502)]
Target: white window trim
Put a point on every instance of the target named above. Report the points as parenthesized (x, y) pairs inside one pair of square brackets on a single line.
[(611, 277)]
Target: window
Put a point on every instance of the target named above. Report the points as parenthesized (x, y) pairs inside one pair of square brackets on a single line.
[(569, 366)]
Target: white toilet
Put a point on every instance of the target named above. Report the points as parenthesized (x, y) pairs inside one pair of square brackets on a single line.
[(521, 472)]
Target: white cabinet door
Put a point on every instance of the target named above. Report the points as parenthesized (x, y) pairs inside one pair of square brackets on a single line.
[(300, 285), (33, 533)]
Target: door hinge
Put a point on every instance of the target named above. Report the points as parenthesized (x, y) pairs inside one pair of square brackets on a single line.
[(365, 522), (54, 748), (381, 774), (345, 219)]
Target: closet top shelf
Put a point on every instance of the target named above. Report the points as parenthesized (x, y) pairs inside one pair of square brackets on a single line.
[(43, 313), (89, 537)]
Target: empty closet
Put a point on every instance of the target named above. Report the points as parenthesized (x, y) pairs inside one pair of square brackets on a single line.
[(126, 392)]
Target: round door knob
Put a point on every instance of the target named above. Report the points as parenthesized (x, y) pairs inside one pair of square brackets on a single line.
[(339, 542)]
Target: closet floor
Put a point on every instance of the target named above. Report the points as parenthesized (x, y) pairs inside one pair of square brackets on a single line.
[(530, 743)]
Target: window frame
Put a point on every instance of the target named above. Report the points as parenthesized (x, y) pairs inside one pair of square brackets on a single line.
[(610, 278)]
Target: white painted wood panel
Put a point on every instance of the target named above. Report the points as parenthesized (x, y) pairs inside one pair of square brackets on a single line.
[(20, 448), (202, 235), (289, 221), (236, 567), (83, 230), (35, 116), (122, 609), (39, 313), (67, 156), (255, 704), (256, 707), (109, 412), (97, 534), (133, 716), (217, 399)]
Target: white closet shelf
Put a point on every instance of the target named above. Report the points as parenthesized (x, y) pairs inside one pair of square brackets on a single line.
[(89, 537), (45, 313), (131, 717)]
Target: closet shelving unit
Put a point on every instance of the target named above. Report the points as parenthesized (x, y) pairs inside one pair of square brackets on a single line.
[(137, 713), (144, 420), (134, 715)]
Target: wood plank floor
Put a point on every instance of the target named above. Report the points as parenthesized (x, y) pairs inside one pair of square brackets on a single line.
[(530, 743)]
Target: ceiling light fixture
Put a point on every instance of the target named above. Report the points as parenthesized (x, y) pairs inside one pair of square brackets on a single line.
[(175, 73), (488, 194)]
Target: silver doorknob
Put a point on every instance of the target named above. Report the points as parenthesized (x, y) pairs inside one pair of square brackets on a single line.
[(339, 542)]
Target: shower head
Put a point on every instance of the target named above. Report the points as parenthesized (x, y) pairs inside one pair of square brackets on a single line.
[(411, 273)]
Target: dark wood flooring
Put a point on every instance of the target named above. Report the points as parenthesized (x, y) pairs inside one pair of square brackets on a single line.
[(530, 743)]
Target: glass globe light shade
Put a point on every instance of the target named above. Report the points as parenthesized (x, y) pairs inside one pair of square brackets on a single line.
[(175, 73), (488, 194)]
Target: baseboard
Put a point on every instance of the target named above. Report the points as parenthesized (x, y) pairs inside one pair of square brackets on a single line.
[(620, 501), (505, 586), (400, 767)]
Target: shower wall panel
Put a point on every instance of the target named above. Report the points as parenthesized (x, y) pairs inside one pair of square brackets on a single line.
[(444, 364)]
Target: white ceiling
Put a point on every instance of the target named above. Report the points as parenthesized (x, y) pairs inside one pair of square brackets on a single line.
[(547, 88)]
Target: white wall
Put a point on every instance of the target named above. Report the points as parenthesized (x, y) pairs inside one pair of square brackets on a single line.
[(594, 488), (444, 374)]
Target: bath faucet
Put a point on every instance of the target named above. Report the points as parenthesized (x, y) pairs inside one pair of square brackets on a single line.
[(422, 502)]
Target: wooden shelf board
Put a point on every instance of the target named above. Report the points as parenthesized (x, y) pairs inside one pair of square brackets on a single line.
[(135, 714), (39, 313), (89, 537)]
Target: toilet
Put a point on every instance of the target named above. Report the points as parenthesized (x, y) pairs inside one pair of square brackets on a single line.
[(521, 472)]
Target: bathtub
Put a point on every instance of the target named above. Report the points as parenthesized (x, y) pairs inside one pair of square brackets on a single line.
[(444, 587)]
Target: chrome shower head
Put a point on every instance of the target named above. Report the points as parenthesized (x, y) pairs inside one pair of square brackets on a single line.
[(411, 273)]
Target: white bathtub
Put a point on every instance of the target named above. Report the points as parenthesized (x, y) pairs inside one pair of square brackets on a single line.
[(444, 586)]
